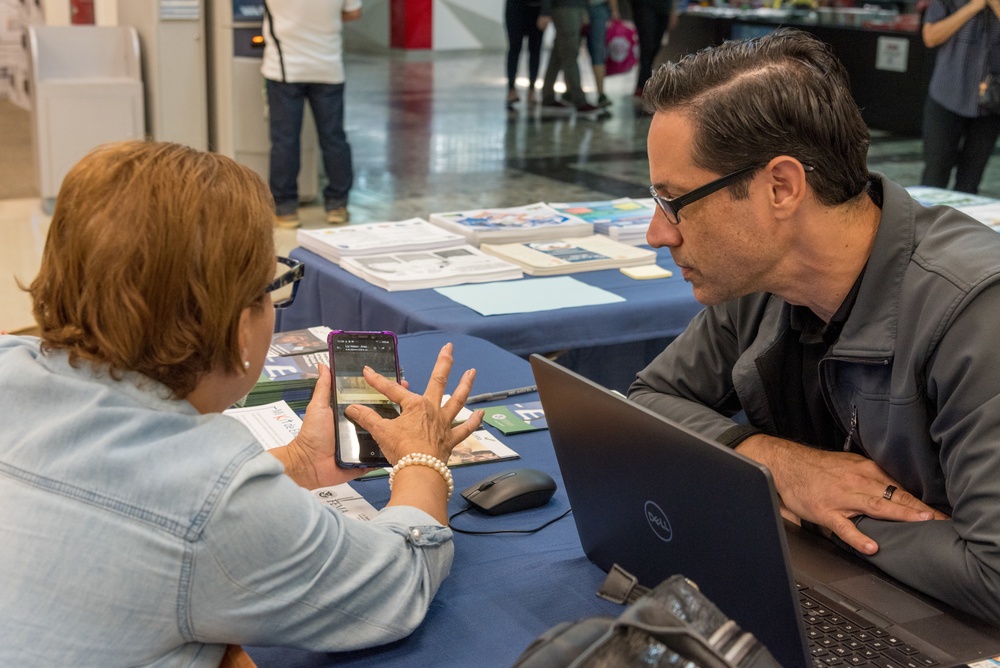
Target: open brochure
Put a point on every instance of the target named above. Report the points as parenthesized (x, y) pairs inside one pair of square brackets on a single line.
[(479, 448), (430, 269), (274, 425), (412, 234), (567, 256), (521, 223)]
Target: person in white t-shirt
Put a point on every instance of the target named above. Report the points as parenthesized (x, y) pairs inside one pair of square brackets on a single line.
[(303, 60)]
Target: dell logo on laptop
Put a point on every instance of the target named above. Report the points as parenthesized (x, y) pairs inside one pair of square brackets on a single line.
[(659, 522)]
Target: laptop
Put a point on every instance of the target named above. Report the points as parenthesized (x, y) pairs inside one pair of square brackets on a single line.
[(659, 499)]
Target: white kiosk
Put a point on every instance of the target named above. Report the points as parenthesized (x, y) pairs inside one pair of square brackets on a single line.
[(237, 102)]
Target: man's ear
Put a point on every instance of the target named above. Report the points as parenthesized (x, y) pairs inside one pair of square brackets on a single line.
[(787, 185)]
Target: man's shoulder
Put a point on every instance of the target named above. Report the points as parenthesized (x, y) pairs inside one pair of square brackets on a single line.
[(955, 245)]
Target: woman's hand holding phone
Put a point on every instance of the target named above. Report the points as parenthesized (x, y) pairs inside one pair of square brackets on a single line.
[(309, 457)]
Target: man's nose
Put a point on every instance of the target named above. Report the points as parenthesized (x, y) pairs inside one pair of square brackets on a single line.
[(662, 232)]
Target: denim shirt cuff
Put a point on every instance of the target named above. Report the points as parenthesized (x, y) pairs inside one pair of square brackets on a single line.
[(422, 536), (419, 528)]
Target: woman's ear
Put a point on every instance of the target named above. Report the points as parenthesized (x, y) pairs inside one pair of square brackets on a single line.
[(244, 331)]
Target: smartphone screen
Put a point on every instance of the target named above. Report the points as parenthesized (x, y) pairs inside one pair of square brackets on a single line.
[(350, 352)]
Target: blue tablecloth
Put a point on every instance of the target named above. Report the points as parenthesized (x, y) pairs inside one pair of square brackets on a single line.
[(503, 590), (610, 342)]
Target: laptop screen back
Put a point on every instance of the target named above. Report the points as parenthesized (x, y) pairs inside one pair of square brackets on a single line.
[(658, 499)]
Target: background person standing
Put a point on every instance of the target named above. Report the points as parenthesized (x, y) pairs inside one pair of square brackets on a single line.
[(958, 135), (303, 60), (521, 18), (652, 19), (569, 17), (601, 11)]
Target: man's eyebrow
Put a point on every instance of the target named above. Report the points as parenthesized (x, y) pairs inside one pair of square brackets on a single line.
[(664, 186)]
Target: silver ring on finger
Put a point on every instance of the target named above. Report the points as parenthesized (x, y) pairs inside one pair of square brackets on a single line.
[(889, 491)]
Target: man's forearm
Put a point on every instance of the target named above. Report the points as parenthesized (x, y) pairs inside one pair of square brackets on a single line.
[(933, 558)]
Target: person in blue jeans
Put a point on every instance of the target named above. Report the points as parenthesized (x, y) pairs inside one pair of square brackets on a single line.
[(600, 11), (958, 135), (303, 61)]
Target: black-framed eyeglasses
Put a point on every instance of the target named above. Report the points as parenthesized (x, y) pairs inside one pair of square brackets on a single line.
[(283, 288), (671, 206)]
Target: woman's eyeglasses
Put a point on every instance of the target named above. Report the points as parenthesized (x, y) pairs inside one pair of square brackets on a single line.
[(282, 289)]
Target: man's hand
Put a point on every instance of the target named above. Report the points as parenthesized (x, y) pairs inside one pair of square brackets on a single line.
[(829, 488), (543, 22)]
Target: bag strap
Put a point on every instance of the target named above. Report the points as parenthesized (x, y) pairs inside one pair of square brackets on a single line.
[(621, 587), (728, 645)]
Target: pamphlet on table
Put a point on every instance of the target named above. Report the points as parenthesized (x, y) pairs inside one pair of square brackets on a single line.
[(984, 209), (623, 219), (288, 377), (567, 256), (516, 418), (298, 341), (273, 424), (430, 269), (479, 448), (930, 196), (532, 222), (412, 234)]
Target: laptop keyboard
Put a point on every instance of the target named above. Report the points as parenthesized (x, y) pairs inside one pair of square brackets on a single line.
[(840, 637)]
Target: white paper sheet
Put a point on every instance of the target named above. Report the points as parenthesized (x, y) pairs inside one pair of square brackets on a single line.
[(543, 294)]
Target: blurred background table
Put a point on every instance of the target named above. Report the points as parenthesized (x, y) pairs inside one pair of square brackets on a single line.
[(608, 343)]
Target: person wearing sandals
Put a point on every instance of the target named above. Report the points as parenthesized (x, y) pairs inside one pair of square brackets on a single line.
[(521, 18)]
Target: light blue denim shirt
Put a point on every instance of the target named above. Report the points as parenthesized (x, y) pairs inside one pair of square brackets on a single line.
[(136, 531)]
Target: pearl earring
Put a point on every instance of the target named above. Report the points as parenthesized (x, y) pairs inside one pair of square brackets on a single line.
[(246, 364)]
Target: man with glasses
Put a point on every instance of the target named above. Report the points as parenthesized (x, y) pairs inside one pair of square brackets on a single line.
[(854, 328)]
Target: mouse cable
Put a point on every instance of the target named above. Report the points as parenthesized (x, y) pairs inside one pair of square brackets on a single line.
[(484, 533)]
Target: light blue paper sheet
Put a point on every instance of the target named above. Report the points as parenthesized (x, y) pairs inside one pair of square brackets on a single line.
[(542, 294)]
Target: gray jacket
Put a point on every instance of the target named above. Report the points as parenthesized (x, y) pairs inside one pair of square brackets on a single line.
[(914, 377)]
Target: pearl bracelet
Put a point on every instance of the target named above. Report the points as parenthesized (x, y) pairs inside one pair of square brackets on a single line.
[(420, 459)]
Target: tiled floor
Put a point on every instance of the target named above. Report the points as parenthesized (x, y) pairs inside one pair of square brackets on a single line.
[(431, 133)]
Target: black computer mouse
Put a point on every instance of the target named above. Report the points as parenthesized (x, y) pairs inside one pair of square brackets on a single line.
[(510, 491)]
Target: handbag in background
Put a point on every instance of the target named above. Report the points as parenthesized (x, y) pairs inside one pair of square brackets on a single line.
[(989, 94), (671, 625), (622, 43)]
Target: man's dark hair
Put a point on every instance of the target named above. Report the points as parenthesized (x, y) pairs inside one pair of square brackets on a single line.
[(781, 94)]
